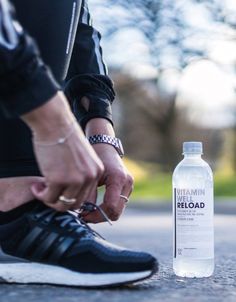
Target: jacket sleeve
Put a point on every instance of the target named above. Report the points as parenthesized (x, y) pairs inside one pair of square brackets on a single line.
[(87, 75), (25, 82)]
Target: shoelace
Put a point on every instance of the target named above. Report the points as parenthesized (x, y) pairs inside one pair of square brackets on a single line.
[(79, 225), (65, 219), (73, 219), (91, 207)]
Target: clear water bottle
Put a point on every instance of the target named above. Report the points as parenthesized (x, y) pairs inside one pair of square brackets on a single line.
[(193, 211)]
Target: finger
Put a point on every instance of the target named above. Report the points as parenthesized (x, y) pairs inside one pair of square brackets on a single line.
[(91, 198), (113, 194), (86, 193), (48, 194), (69, 193), (127, 189), (60, 206), (112, 205)]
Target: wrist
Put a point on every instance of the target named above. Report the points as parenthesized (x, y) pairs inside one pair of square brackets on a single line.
[(104, 139), (99, 126)]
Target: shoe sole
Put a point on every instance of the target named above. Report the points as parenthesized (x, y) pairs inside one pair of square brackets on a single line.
[(37, 273)]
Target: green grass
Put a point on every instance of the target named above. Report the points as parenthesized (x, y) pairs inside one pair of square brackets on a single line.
[(225, 185), (158, 186), (153, 185)]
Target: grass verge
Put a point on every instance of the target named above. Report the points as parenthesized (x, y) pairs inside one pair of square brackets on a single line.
[(153, 185)]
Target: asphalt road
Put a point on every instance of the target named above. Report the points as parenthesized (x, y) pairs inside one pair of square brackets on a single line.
[(150, 231)]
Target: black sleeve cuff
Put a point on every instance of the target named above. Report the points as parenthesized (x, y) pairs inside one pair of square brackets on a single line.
[(99, 91), (99, 107)]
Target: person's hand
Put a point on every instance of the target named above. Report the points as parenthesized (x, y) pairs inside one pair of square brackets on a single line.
[(71, 169), (116, 178)]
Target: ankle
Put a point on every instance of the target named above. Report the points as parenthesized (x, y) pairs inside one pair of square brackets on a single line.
[(15, 191), (16, 213)]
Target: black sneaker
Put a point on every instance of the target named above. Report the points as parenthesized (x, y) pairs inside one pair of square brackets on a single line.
[(48, 247)]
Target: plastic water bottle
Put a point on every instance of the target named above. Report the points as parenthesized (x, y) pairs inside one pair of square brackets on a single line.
[(193, 211)]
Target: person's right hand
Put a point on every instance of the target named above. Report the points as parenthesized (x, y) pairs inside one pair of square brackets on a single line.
[(71, 169)]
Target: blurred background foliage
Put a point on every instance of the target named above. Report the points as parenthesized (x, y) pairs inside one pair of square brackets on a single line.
[(174, 68)]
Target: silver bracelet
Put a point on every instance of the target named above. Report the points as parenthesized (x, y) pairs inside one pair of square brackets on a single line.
[(60, 140), (107, 139)]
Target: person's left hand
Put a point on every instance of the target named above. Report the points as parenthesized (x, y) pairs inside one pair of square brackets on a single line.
[(117, 180)]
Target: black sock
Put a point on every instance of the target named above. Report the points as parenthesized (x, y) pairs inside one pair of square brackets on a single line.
[(9, 216)]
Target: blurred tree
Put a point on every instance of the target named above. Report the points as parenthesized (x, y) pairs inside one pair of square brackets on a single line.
[(174, 33), (152, 118), (156, 128), (222, 13), (165, 26)]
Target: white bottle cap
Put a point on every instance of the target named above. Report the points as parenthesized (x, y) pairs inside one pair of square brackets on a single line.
[(192, 147)]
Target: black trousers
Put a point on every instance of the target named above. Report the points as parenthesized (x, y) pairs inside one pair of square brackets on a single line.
[(53, 24)]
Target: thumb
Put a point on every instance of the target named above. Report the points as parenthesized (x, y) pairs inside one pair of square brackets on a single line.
[(46, 193), (38, 189)]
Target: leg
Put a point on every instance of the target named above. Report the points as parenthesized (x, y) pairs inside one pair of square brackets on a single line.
[(18, 167)]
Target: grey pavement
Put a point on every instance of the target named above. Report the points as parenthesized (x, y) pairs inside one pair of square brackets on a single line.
[(150, 231)]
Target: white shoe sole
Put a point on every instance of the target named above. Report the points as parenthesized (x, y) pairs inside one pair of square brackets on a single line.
[(26, 273)]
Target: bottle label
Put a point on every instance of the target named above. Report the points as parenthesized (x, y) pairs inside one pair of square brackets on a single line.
[(193, 219)]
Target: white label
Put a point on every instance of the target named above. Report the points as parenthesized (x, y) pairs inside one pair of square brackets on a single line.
[(193, 219)]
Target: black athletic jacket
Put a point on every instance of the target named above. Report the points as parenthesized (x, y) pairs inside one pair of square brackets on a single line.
[(53, 46)]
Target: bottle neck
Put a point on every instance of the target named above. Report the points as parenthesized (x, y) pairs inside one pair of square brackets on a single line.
[(192, 155)]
